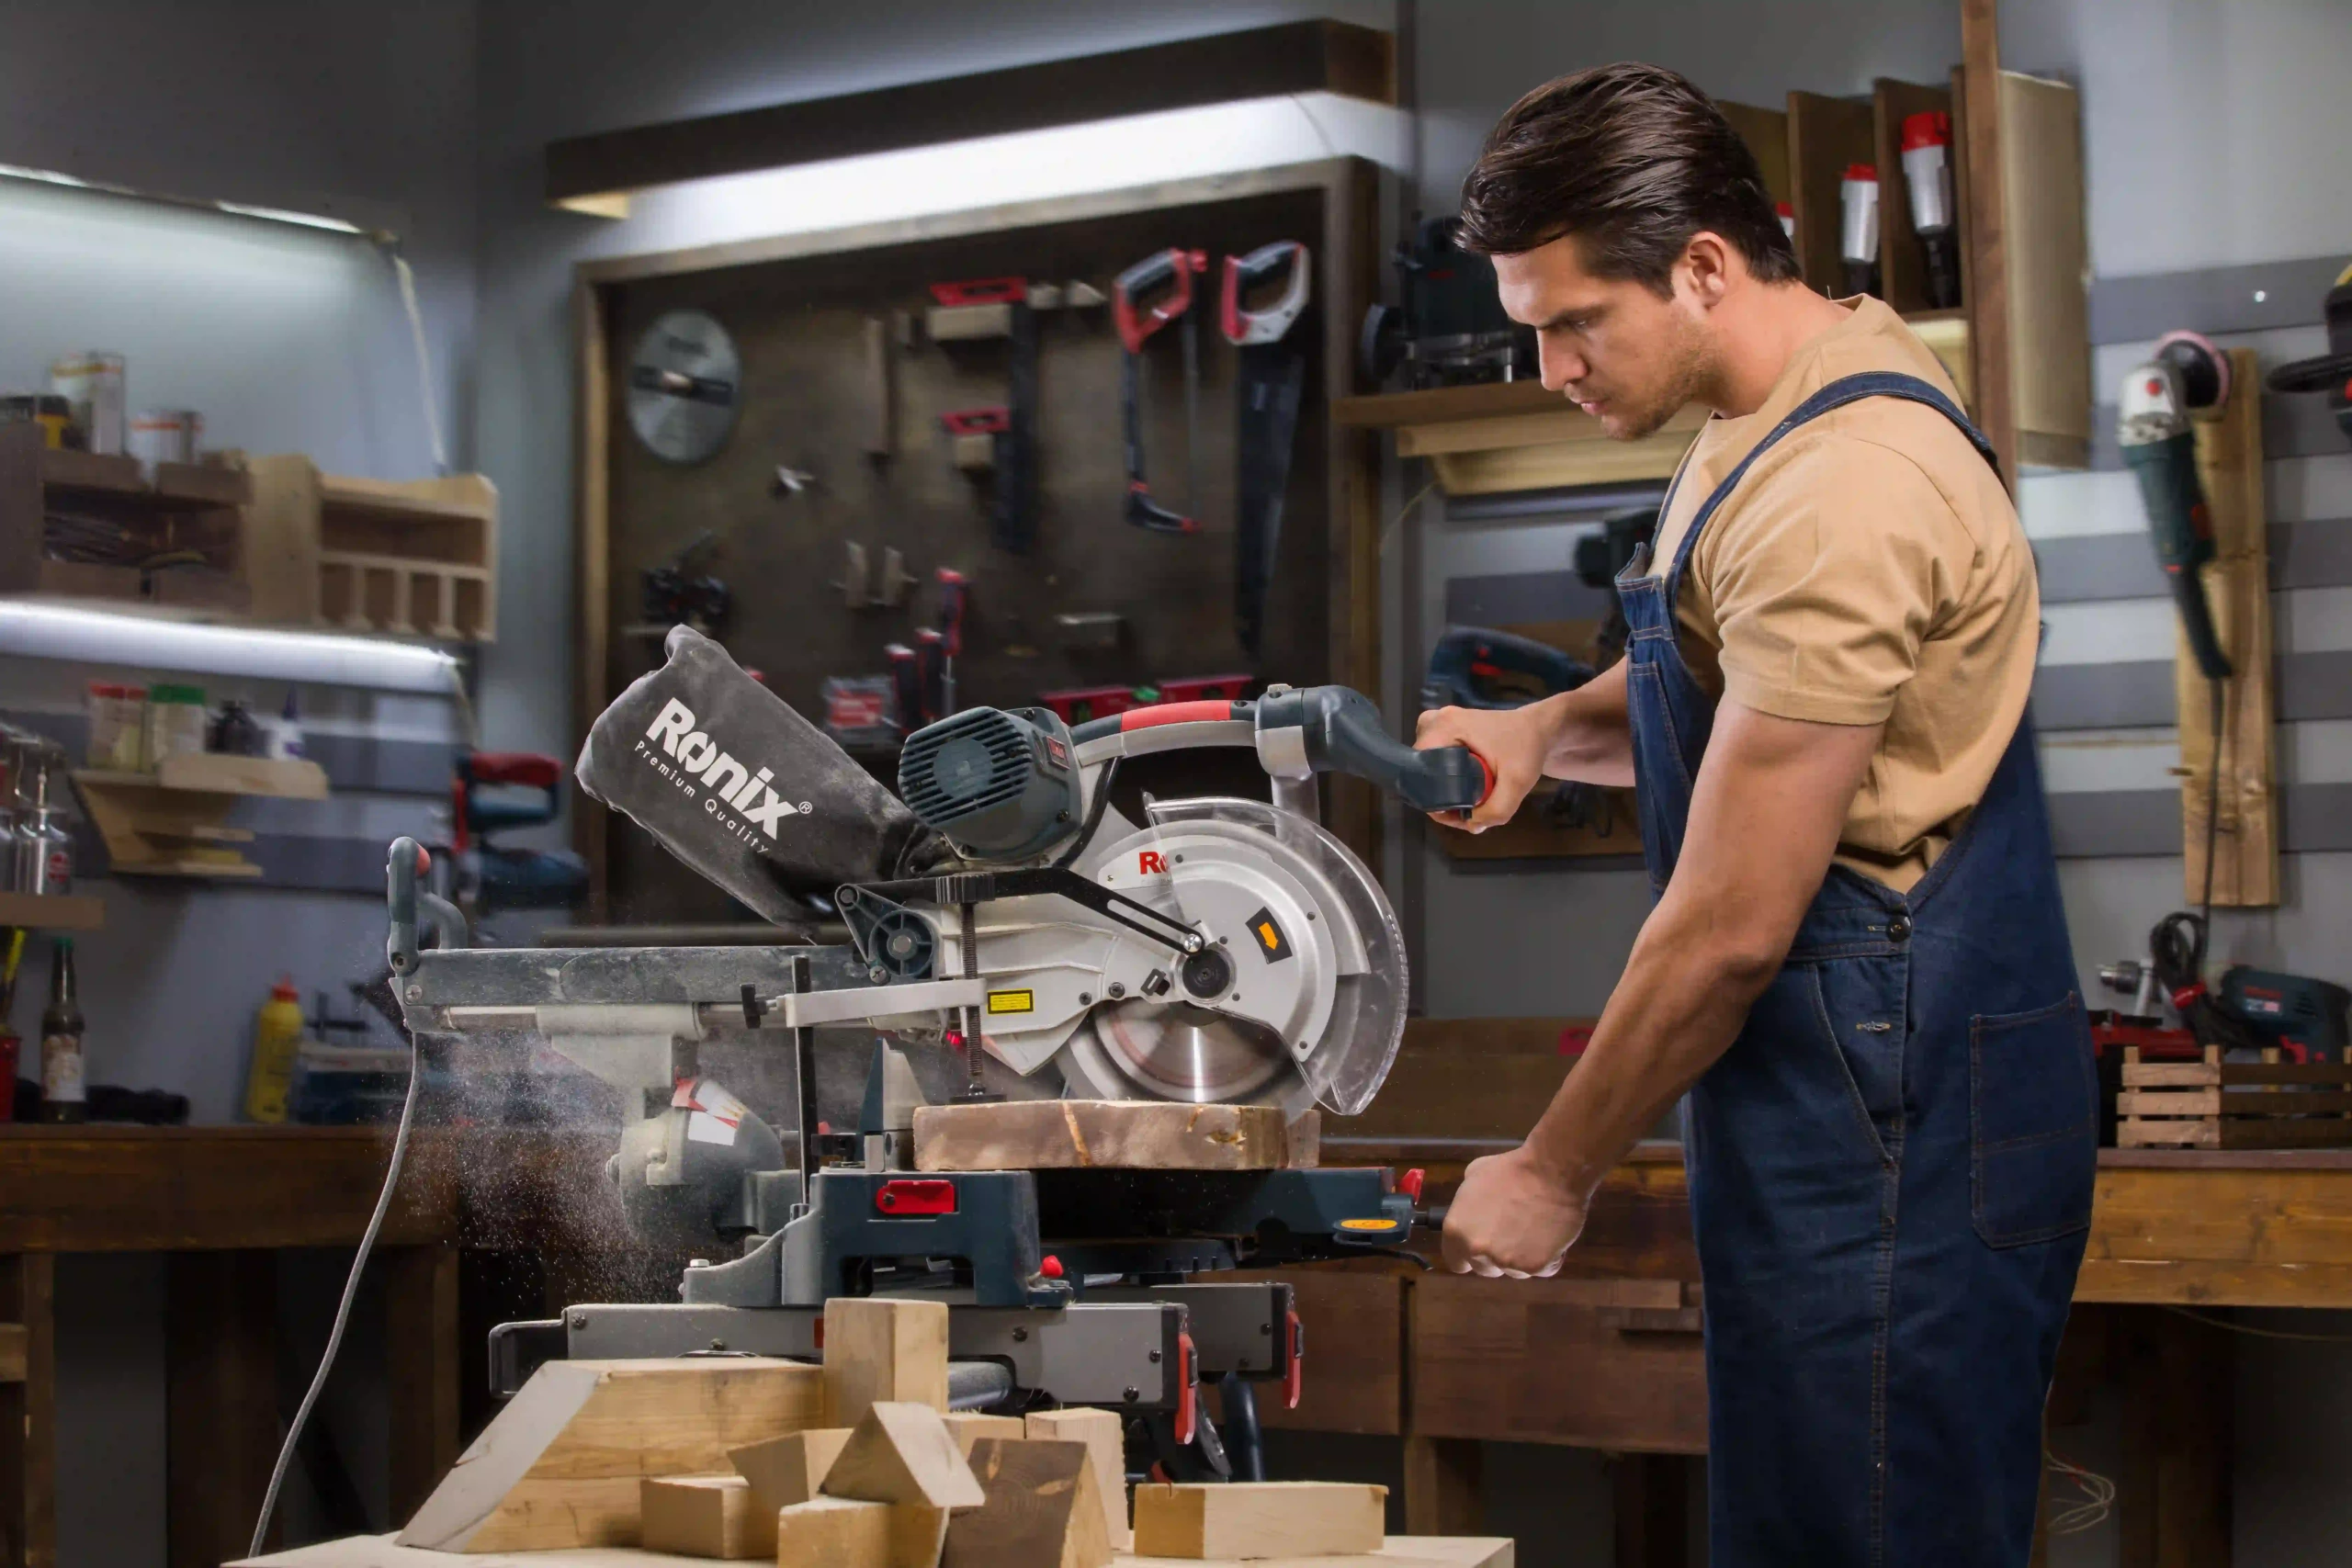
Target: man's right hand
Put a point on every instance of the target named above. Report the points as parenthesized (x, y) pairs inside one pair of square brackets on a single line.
[(1512, 740)]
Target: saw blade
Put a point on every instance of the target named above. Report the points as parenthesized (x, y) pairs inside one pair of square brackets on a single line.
[(1177, 1050)]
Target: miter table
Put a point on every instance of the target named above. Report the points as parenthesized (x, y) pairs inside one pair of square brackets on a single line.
[(1608, 1354), (217, 1201)]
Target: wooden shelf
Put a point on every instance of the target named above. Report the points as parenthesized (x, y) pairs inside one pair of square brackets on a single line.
[(174, 822), (174, 508), (178, 485), (1514, 435), (410, 558), (51, 912)]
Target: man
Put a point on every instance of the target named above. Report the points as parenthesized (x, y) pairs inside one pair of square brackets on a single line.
[(1856, 966)]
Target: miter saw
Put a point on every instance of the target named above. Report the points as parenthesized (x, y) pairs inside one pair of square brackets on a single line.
[(1223, 951)]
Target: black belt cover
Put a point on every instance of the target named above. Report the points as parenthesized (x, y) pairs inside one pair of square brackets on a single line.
[(730, 780)]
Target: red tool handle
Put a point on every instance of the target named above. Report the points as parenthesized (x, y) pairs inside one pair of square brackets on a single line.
[(1173, 267), (987, 421), (982, 292), (954, 592)]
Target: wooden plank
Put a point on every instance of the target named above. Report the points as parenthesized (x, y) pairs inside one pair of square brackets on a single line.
[(1766, 131), (1902, 257), (16, 1342), (422, 1361), (1445, 1486), (2173, 1494), (2236, 1133), (833, 1532), (1071, 1135), (382, 1552), (592, 567), (2234, 1074), (1447, 405), (1825, 134), (1572, 1377), (791, 1468), (1562, 463), (902, 1452), (2237, 585), (221, 1427), (705, 1516), (28, 1416), (2047, 266), (877, 1349), (1978, 127), (2189, 1232), (1561, 425), (52, 911), (559, 1466), (1042, 1511), (279, 543), (1259, 1519), (1103, 1432), (2230, 1102), (1270, 61), (1351, 255)]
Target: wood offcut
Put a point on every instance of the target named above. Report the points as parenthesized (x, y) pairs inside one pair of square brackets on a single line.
[(1109, 1134)]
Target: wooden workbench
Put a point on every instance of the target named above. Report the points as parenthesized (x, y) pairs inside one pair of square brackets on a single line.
[(218, 1202), (1608, 1355), (379, 1551)]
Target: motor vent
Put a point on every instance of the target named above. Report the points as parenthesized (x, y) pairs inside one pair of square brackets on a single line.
[(1001, 785)]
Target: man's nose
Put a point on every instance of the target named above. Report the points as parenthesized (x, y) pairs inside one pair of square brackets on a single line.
[(1556, 365)]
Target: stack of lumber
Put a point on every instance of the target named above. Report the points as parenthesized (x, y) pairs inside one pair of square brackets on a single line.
[(2214, 1104), (857, 1463)]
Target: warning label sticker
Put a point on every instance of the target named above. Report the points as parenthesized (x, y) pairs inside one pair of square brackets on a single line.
[(714, 1115), (1012, 1001)]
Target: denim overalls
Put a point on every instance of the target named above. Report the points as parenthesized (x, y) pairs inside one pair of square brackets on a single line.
[(1890, 1170)]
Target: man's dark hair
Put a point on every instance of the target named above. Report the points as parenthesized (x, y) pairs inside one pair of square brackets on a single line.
[(1632, 160)]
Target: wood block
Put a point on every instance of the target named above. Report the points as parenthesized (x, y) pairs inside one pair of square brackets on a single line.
[(790, 1469), (918, 1535), (968, 1428), (883, 1349), (1042, 1510), (1065, 1135), (704, 1515), (903, 1453), (1104, 1435), (1245, 1519), (559, 1466), (833, 1532)]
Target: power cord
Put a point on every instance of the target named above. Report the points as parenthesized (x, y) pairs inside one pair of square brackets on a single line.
[(2096, 1502), (423, 367), (2177, 947), (342, 1310)]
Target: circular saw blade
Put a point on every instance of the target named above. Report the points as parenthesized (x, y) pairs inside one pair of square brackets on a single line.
[(1177, 1051)]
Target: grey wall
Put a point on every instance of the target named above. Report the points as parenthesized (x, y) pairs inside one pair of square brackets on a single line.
[(288, 340)]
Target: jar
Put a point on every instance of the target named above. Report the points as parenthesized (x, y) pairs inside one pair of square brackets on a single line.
[(175, 721)]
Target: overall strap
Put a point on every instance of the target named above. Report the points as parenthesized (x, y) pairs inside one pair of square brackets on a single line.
[(1836, 395)]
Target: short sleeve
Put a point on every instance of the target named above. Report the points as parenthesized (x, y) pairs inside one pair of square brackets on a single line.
[(1825, 583)]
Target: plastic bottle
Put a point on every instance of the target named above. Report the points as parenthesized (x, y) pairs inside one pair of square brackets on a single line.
[(278, 1038)]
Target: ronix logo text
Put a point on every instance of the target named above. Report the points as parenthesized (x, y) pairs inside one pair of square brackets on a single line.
[(699, 756)]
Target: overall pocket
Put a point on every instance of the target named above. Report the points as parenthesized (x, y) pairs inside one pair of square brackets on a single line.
[(2033, 1123)]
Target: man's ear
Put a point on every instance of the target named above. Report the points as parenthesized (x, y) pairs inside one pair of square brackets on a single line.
[(1707, 267)]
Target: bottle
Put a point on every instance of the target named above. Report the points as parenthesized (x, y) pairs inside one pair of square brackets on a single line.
[(64, 1087), (277, 1039)]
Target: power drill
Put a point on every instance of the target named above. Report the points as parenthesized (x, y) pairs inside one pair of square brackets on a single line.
[(2153, 428), (491, 877), (2306, 1018)]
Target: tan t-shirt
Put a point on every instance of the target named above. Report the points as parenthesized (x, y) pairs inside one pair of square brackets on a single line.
[(1869, 568)]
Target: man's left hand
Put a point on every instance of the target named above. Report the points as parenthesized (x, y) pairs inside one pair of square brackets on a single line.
[(1511, 1218)]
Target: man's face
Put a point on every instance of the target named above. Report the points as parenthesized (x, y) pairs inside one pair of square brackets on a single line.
[(1625, 355)]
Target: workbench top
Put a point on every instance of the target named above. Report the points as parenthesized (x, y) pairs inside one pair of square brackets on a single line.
[(377, 1551)]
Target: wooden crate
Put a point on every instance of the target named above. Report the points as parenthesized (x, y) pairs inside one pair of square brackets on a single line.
[(2214, 1104), (413, 558)]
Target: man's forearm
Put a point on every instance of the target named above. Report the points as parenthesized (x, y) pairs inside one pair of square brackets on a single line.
[(1588, 737), (1684, 996)]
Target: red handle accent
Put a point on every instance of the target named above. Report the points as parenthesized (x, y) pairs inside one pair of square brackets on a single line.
[(531, 768), (1135, 327), (1175, 713), (1051, 1268), (899, 1199), (1410, 1184), (1294, 1356), (1188, 1391), (1487, 769), (423, 860), (987, 421), (982, 292)]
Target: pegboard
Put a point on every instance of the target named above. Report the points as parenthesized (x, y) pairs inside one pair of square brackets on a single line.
[(803, 327)]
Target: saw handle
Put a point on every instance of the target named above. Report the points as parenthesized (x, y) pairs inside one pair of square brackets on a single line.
[(1340, 731)]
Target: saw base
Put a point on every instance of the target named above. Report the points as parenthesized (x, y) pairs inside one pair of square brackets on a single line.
[(1113, 1134)]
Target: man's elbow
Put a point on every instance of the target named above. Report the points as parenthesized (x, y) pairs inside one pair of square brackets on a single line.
[(1737, 958)]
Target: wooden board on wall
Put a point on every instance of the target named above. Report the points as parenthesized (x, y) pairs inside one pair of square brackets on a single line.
[(799, 321), (1766, 131), (1825, 135)]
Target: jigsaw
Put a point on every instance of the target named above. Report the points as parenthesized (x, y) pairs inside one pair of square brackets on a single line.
[(1222, 952)]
